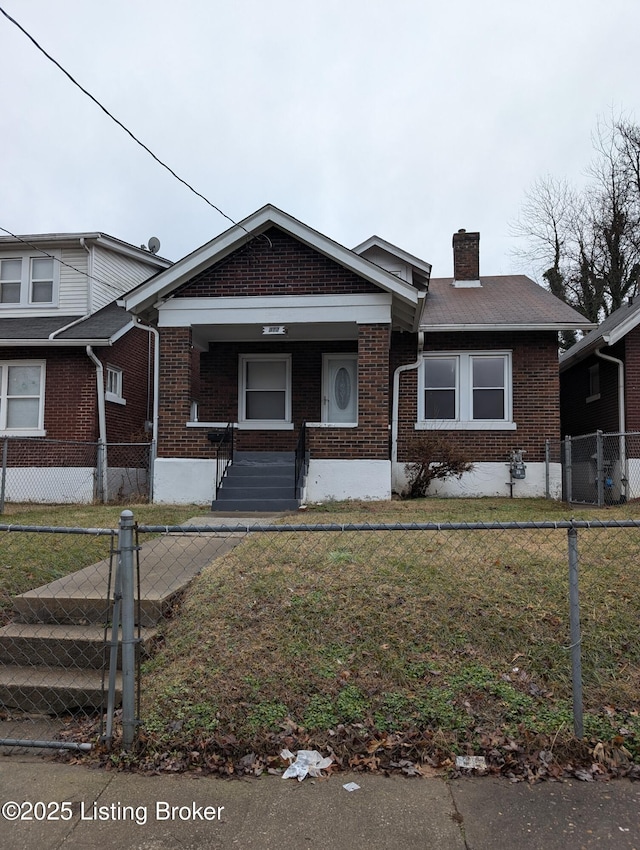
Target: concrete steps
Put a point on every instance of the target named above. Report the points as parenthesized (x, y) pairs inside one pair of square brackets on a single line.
[(33, 644), (51, 656), (258, 481), (47, 690)]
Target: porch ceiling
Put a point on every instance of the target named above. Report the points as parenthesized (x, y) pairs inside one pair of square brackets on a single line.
[(204, 334)]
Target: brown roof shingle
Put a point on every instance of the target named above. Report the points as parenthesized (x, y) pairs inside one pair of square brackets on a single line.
[(509, 301)]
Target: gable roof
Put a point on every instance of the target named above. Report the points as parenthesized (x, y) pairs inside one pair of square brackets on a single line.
[(147, 295), (504, 302), (400, 253), (609, 332), (62, 240)]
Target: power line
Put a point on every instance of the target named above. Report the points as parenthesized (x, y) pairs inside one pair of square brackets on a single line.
[(106, 283), (122, 126)]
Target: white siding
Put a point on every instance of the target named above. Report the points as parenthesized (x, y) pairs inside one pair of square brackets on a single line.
[(117, 275), (73, 300)]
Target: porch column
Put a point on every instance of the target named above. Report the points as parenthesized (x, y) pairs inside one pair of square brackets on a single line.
[(373, 391), (175, 392)]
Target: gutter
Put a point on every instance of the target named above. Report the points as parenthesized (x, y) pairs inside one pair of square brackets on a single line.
[(407, 367), (102, 427)]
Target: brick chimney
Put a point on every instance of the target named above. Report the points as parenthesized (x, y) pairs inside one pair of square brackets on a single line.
[(466, 257)]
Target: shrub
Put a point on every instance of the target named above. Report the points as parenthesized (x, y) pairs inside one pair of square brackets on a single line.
[(436, 458)]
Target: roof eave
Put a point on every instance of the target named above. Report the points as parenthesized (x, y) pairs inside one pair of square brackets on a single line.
[(150, 293), (56, 343), (507, 326)]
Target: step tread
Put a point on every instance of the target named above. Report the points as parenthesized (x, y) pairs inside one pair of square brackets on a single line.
[(46, 677)]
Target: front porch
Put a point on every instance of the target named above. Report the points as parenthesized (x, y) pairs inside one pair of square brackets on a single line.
[(265, 389)]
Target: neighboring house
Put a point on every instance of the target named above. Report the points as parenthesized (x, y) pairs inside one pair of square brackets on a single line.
[(73, 366), (272, 325), (600, 391)]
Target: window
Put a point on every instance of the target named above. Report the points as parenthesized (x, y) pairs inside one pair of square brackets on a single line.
[(114, 385), (26, 281), (265, 389), (466, 390), (21, 397)]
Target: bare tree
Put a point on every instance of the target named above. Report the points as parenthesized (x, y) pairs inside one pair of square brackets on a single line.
[(587, 244)]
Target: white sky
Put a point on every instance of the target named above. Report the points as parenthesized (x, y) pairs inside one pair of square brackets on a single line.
[(404, 118)]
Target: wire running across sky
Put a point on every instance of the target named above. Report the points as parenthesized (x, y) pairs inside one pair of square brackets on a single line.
[(118, 122)]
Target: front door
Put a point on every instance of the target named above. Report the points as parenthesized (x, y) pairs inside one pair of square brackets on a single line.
[(340, 388)]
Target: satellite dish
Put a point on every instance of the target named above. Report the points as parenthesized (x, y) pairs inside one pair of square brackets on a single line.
[(154, 244)]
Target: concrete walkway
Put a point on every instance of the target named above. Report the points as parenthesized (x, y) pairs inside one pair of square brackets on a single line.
[(116, 810)]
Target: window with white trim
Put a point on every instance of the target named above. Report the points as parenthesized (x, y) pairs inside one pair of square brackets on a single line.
[(265, 389), (465, 390), (21, 397), (27, 281), (113, 389)]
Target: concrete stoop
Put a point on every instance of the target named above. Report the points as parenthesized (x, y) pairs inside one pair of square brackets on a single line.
[(52, 656), (258, 481)]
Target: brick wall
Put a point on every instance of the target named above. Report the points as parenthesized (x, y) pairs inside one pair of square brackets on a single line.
[(579, 416), (535, 395), (218, 400), (133, 353), (284, 267), (631, 357)]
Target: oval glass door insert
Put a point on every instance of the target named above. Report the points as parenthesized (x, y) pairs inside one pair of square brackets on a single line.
[(342, 388)]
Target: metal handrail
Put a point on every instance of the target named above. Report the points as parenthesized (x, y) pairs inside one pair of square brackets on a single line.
[(224, 454), (302, 459)]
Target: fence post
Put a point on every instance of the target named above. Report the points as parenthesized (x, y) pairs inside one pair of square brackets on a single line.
[(574, 619), (126, 546), (3, 482), (600, 468), (547, 462), (568, 483)]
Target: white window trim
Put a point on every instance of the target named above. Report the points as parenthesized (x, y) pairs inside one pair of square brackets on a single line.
[(25, 281), (37, 431), (464, 395), (263, 424), (115, 397)]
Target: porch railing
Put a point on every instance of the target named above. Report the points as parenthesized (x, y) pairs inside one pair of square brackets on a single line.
[(302, 460), (223, 442)]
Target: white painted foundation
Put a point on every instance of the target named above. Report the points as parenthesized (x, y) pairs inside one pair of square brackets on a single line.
[(330, 480), (184, 481), (491, 479)]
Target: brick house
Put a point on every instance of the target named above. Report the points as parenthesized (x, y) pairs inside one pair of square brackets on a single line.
[(272, 325), (600, 391), (74, 368)]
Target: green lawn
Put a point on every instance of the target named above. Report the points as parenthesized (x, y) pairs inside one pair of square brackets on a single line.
[(377, 644), (383, 648)]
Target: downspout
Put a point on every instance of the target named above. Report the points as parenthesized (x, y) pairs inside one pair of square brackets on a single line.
[(621, 416), (102, 427), (156, 402), (407, 367)]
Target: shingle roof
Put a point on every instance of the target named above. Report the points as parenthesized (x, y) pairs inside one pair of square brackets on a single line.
[(508, 302), (612, 329), (99, 327)]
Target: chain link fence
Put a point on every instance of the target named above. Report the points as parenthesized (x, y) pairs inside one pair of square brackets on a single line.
[(45, 471), (602, 469), (148, 625)]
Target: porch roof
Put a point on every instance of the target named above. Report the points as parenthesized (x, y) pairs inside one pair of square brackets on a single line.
[(407, 299)]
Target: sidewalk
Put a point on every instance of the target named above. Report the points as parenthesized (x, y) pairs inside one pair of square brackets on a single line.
[(116, 810)]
